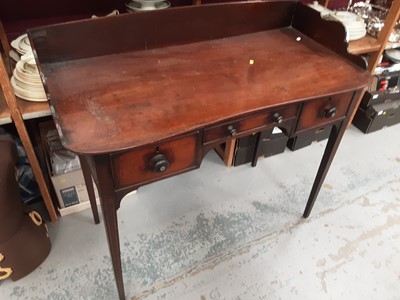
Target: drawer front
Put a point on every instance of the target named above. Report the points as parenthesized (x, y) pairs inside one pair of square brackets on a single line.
[(324, 110), (258, 122), (157, 161)]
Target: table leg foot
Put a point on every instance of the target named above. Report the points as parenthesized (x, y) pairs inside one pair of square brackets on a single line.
[(109, 208), (111, 225), (330, 150)]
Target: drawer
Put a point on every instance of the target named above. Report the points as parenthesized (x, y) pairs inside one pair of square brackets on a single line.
[(150, 163), (306, 137), (258, 122), (324, 110)]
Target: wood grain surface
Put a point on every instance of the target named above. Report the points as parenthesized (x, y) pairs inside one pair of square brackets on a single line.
[(136, 98)]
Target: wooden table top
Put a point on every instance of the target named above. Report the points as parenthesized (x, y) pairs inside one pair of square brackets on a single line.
[(108, 103)]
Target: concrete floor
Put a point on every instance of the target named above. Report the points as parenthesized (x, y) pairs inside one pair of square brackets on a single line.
[(237, 233)]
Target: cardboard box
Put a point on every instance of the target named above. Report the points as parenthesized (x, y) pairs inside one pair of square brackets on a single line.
[(70, 187)]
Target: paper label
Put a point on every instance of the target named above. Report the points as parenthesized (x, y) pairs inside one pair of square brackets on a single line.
[(69, 196), (82, 192)]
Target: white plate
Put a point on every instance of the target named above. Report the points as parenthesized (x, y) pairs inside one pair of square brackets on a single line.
[(24, 45), (135, 6), (318, 7), (28, 70), (355, 27), (27, 56), (21, 90), (27, 95), (14, 55), (28, 78), (345, 16), (360, 30), (26, 85), (15, 43), (142, 3), (356, 35), (30, 67), (28, 98), (26, 41), (115, 12)]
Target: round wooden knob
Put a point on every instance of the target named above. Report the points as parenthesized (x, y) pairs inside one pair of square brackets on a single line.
[(159, 163), (330, 112), (277, 118), (231, 130)]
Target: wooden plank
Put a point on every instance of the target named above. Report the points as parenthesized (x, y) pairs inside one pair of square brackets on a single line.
[(32, 110), (25, 139), (229, 151), (226, 151), (3, 39), (364, 45), (5, 116), (157, 28)]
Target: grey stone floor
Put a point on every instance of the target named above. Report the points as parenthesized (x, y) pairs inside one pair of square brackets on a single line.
[(237, 233)]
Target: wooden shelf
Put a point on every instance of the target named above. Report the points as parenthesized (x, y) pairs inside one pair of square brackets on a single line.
[(32, 110), (374, 46), (5, 116), (368, 44), (8, 99), (365, 45)]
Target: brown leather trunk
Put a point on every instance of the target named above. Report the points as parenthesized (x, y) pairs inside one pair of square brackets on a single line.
[(24, 241)]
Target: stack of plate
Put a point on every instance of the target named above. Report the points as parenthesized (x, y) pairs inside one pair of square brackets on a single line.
[(26, 79), (355, 26), (145, 5), (21, 44)]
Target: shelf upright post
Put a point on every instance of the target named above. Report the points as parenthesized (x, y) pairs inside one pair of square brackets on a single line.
[(16, 116), (393, 16)]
